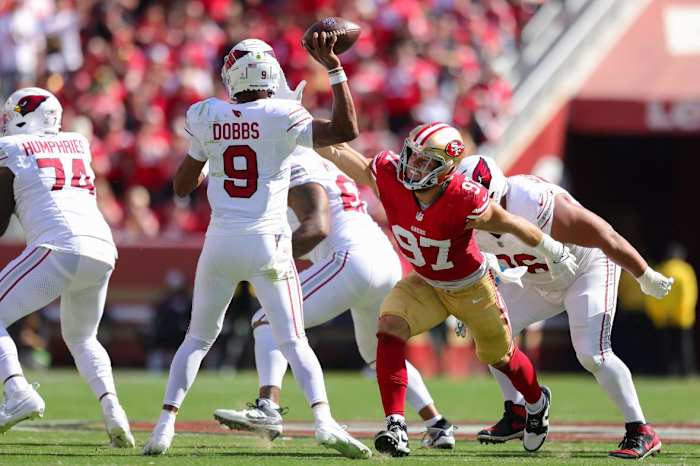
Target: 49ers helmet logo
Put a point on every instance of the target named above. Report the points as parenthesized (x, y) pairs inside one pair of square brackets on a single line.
[(482, 173), (29, 103), (454, 148)]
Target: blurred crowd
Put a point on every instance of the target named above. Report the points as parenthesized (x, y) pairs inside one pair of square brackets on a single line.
[(126, 71)]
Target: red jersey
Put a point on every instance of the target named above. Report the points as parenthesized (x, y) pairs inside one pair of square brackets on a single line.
[(434, 239)]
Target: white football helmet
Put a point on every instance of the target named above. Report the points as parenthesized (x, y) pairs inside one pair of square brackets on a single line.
[(485, 170), (251, 66), (31, 110)]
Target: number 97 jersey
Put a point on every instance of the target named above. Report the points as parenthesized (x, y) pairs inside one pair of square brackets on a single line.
[(247, 146), (434, 239)]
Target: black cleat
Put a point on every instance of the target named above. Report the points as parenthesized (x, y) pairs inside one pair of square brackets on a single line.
[(510, 427), (394, 440), (639, 442)]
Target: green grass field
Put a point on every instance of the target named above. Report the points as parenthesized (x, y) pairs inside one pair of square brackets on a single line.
[(353, 398)]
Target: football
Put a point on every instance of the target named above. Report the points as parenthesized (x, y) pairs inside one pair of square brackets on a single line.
[(347, 32)]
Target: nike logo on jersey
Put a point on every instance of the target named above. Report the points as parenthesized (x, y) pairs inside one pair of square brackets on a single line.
[(477, 301)]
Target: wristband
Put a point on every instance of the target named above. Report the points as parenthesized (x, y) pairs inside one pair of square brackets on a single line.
[(337, 76)]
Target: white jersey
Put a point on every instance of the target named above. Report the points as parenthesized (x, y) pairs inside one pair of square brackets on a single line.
[(55, 193), (248, 147), (351, 225), (533, 199)]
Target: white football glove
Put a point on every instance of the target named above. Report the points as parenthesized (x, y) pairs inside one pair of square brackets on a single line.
[(561, 261), (655, 284)]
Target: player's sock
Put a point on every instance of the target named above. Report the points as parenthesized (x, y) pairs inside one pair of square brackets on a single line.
[(521, 373), (269, 360), (322, 414), (109, 402), (306, 369), (9, 363), (184, 368), (432, 421), (616, 379), (167, 417), (507, 388), (417, 393), (391, 373), (94, 365)]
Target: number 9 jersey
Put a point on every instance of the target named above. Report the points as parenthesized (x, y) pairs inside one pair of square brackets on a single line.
[(247, 146), (434, 239), (55, 194)]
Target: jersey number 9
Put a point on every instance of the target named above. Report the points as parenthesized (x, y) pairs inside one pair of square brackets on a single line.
[(247, 171)]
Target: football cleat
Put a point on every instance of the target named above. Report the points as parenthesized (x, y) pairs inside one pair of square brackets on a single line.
[(160, 440), (118, 429), (19, 406), (260, 417), (439, 435), (337, 438), (639, 442), (510, 427), (537, 424), (393, 440)]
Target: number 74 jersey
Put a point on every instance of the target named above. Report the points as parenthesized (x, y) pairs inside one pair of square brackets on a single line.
[(55, 193)]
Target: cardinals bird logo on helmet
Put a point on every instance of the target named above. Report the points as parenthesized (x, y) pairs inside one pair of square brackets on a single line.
[(29, 103)]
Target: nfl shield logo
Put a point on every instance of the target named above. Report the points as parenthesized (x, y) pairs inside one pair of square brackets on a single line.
[(419, 216)]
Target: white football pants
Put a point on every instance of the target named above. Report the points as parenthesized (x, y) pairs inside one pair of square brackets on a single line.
[(39, 276), (590, 305), (356, 279), (266, 261)]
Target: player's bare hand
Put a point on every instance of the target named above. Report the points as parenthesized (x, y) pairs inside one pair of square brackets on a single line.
[(321, 49)]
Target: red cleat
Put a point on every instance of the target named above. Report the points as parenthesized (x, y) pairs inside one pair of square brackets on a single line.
[(639, 442)]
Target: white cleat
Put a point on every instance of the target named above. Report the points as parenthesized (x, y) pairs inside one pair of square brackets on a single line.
[(118, 429), (260, 417), (440, 435), (19, 406), (537, 424), (335, 437), (160, 440)]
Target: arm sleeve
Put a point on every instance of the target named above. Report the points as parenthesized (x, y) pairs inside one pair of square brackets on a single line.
[(299, 128), (196, 150)]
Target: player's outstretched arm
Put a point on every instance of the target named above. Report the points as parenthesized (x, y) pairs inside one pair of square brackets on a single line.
[(342, 126), (310, 204), (7, 198), (575, 224), (188, 176), (496, 219), (354, 164)]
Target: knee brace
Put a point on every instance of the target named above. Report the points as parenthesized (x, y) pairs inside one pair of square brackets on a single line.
[(591, 362)]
